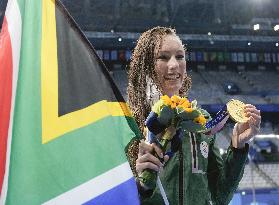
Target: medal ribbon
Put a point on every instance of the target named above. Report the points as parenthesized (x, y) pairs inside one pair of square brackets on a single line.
[(218, 122)]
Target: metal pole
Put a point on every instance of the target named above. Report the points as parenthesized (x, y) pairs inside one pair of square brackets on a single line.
[(251, 164)]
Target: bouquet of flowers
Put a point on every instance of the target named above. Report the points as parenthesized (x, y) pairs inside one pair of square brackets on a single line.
[(167, 121)]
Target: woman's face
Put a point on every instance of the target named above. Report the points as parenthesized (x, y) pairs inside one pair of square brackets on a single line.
[(170, 65)]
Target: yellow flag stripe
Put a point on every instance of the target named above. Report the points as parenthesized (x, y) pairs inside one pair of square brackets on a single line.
[(54, 126)]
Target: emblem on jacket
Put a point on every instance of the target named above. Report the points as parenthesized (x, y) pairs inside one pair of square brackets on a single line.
[(204, 149)]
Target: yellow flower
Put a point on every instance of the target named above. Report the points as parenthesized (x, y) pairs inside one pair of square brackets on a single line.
[(175, 99), (166, 100), (182, 100), (186, 104), (173, 105), (188, 109), (200, 120)]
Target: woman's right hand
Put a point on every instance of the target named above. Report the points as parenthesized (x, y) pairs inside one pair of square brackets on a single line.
[(146, 160)]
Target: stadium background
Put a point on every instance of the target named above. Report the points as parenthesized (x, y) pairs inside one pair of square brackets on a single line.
[(233, 52)]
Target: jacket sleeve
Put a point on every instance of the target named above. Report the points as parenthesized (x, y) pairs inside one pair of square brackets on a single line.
[(224, 175)]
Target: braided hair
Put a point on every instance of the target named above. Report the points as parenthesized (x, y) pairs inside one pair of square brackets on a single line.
[(142, 66)]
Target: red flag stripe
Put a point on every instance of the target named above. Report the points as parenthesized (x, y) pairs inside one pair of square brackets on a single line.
[(10, 43), (5, 93)]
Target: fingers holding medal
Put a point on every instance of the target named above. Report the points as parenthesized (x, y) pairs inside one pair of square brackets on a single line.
[(254, 117)]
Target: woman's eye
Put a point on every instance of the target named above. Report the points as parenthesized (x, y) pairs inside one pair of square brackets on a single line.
[(180, 57), (162, 57)]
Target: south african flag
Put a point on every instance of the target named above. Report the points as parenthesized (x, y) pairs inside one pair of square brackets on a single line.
[(63, 124)]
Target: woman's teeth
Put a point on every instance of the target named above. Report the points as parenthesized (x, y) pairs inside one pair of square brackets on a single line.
[(172, 77)]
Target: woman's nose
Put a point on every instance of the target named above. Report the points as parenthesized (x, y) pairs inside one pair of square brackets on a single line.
[(173, 63)]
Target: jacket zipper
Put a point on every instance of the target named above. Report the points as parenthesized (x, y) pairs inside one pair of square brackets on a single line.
[(181, 175)]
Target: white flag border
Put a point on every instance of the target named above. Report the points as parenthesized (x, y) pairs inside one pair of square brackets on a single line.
[(94, 187)]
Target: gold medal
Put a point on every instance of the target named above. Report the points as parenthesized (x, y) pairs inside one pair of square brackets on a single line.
[(236, 111)]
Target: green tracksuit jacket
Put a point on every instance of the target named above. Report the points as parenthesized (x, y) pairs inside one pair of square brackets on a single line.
[(197, 174)]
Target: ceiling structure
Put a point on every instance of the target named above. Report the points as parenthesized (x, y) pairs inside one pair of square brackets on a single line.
[(187, 16), (212, 21)]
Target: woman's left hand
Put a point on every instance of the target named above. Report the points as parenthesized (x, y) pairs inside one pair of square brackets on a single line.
[(243, 132)]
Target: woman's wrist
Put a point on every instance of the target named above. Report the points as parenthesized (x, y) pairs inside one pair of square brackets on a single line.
[(236, 143), (236, 140)]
